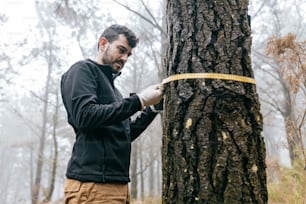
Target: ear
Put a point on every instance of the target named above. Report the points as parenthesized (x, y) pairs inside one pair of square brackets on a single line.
[(103, 41)]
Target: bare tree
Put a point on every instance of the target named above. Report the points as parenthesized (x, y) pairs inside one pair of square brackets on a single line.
[(54, 158), (48, 52), (213, 151), (291, 57), (274, 91)]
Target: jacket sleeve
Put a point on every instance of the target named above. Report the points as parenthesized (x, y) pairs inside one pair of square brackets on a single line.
[(142, 122), (79, 93)]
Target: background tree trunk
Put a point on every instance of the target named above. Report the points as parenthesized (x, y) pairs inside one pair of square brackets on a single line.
[(141, 174), (134, 163), (213, 151), (54, 159), (151, 174), (40, 162), (40, 158)]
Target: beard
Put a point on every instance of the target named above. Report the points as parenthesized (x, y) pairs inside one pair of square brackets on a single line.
[(108, 60)]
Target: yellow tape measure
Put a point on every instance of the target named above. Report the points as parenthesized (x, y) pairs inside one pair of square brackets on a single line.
[(209, 76)]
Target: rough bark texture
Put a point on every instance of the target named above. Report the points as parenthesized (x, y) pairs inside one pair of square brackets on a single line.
[(213, 151)]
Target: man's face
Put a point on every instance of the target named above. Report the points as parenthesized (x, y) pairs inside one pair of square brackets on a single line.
[(116, 53)]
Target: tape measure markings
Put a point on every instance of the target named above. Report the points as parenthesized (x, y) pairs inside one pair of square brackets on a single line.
[(232, 77)]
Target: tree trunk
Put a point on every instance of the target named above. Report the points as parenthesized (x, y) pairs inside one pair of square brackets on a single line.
[(134, 170), (158, 178), (292, 138), (50, 188), (289, 118), (141, 165), (48, 55), (43, 135), (151, 175), (213, 151), (135, 148)]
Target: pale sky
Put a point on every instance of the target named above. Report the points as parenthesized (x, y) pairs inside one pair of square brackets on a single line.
[(22, 16)]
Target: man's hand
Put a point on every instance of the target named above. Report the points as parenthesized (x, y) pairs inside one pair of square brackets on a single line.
[(151, 95), (157, 108)]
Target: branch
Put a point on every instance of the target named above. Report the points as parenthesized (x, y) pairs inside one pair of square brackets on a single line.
[(154, 24), (153, 18), (259, 9), (27, 122), (273, 104), (148, 164), (300, 26)]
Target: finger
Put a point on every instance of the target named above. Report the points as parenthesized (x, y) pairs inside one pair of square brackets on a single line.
[(161, 87)]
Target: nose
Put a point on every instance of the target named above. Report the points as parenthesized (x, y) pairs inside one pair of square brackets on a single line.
[(124, 57)]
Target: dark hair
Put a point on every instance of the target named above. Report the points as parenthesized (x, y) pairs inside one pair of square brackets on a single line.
[(111, 34)]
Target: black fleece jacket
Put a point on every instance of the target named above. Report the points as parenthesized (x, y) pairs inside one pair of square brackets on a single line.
[(101, 121)]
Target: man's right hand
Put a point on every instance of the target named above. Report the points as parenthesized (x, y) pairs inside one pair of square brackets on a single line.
[(151, 95)]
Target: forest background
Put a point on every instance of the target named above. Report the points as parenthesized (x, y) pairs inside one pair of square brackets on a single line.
[(39, 40)]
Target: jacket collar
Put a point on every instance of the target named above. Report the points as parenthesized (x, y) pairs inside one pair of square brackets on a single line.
[(107, 70)]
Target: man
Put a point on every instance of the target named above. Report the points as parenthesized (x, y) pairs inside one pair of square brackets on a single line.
[(98, 171)]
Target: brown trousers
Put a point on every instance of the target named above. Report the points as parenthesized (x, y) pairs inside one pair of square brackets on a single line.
[(77, 192)]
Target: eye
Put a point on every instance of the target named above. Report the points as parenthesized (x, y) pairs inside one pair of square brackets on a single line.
[(122, 50)]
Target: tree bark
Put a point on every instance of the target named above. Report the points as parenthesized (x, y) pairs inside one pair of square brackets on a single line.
[(134, 163), (213, 151), (292, 138), (288, 115)]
